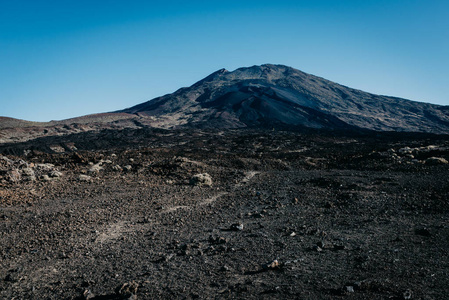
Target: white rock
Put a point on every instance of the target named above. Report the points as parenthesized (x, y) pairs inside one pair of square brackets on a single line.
[(55, 174), (116, 168), (83, 177), (96, 168)]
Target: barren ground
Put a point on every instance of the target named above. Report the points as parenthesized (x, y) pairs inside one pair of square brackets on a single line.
[(346, 217)]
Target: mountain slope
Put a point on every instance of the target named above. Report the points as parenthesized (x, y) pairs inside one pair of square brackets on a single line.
[(268, 95)]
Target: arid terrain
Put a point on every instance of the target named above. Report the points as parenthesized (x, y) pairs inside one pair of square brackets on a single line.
[(266, 96), (235, 214)]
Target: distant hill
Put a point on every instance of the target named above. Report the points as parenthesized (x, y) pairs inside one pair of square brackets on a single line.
[(14, 130)]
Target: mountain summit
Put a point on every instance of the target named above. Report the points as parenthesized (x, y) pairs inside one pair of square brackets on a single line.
[(266, 96), (270, 95)]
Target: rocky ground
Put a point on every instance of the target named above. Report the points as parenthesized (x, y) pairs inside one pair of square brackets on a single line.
[(235, 214)]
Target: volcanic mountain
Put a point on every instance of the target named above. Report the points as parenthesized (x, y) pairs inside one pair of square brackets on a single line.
[(266, 96), (271, 95)]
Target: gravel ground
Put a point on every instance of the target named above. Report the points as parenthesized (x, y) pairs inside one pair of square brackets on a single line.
[(274, 215)]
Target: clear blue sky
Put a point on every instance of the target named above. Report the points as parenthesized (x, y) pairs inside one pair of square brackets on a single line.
[(66, 58)]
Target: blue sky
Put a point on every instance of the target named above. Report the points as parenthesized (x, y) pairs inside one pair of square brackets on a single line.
[(66, 58)]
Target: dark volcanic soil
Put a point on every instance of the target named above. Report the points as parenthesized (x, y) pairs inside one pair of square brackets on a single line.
[(288, 216)]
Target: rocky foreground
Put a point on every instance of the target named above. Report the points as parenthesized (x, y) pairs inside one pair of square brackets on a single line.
[(141, 214)]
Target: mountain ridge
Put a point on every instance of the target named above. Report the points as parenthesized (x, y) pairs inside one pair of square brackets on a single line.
[(260, 95), (266, 96)]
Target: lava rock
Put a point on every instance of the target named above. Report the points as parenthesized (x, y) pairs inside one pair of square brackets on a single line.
[(201, 180), (433, 161), (407, 295), (274, 265), (236, 227), (127, 291)]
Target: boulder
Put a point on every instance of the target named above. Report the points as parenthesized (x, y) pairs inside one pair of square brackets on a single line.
[(201, 180), (436, 161), (84, 178)]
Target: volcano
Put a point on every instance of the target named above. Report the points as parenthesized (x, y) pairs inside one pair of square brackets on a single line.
[(277, 95)]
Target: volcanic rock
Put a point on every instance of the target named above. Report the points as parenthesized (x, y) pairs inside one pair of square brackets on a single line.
[(201, 180), (436, 161)]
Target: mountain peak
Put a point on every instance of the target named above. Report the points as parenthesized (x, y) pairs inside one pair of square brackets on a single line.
[(212, 76), (271, 94)]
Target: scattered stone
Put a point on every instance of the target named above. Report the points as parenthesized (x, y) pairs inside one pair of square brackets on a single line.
[(28, 174), (57, 148), (127, 291), (87, 294), (116, 168), (349, 289), (429, 148), (274, 265), (14, 175), (321, 244), (127, 168), (317, 248), (55, 174), (358, 284), (293, 234), (405, 150), (201, 180), (224, 268), (83, 177), (45, 177), (407, 295), (45, 167), (433, 161), (78, 158), (217, 240), (236, 227), (9, 161), (96, 168)]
